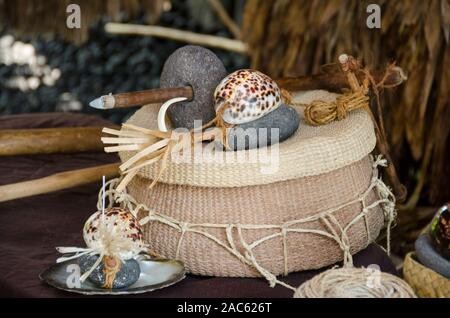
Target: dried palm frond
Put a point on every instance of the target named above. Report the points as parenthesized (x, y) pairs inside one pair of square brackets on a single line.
[(297, 37), (49, 16)]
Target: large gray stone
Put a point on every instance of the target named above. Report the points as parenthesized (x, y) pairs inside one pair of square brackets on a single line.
[(428, 256), (202, 70), (127, 275), (276, 126)]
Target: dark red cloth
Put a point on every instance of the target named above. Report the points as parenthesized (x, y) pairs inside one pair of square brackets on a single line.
[(30, 228)]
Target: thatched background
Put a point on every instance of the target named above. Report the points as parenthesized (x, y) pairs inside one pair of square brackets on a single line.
[(296, 37), (49, 16)]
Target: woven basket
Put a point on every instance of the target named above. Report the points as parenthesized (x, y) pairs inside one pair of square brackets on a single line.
[(425, 282), (321, 204)]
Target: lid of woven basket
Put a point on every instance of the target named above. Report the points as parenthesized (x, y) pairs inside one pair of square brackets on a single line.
[(310, 151)]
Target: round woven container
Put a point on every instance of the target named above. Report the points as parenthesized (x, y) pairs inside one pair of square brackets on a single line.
[(425, 282), (319, 201)]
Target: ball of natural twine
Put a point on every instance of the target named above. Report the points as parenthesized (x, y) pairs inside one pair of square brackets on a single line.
[(354, 283)]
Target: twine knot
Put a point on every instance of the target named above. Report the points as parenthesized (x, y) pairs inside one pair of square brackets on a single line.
[(321, 112), (184, 227), (379, 160)]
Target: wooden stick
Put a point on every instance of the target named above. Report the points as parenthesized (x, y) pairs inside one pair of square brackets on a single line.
[(58, 181), (50, 140), (158, 95), (336, 82), (217, 6), (348, 64), (178, 35)]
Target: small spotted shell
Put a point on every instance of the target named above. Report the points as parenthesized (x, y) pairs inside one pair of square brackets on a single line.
[(246, 95), (124, 227)]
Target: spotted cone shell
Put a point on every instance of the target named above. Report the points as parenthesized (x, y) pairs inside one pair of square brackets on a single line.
[(124, 226), (246, 95)]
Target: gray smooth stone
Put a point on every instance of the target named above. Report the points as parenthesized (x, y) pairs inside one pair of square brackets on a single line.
[(202, 70), (128, 274), (276, 126), (430, 258)]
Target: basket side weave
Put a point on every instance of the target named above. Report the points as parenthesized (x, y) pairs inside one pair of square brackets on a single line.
[(425, 282), (275, 204)]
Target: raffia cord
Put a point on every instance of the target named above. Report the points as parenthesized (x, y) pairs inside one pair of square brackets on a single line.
[(386, 201), (151, 152), (350, 282), (321, 112)]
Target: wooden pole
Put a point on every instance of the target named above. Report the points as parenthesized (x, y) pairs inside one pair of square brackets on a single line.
[(336, 82), (151, 96), (159, 95), (58, 181), (178, 35), (50, 140)]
